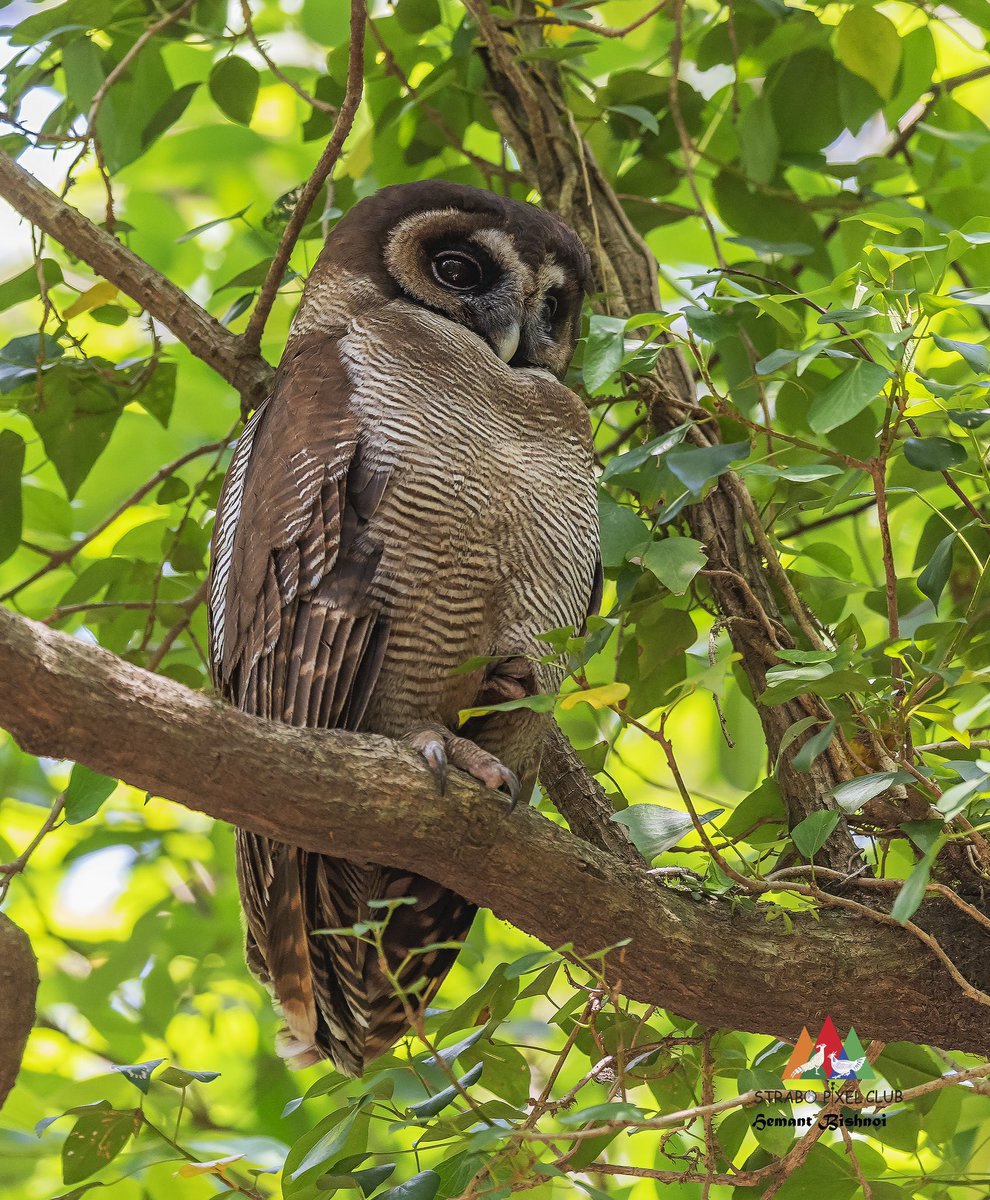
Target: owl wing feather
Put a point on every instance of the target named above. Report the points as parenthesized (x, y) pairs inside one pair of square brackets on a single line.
[(296, 637)]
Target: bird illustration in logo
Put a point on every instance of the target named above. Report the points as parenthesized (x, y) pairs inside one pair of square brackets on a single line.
[(846, 1067), (814, 1062)]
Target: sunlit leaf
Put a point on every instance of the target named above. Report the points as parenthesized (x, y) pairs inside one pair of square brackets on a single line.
[(84, 797), (234, 86), (847, 395), (603, 696)]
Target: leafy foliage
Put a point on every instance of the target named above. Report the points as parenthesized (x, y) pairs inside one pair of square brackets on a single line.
[(813, 181)]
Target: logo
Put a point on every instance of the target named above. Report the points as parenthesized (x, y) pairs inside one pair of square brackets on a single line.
[(827, 1057), (826, 1072)]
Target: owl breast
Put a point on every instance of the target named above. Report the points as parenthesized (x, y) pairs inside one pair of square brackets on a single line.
[(487, 528)]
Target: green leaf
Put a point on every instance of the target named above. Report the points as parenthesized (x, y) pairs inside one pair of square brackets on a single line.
[(193, 233), (846, 396), (423, 1186), (976, 356), (763, 804), (238, 308), (95, 1140), (852, 795), (234, 86), (675, 561), (450, 1053), (603, 351), (653, 828), (456, 1173), (434, 1104), (813, 832), (169, 113), (934, 453), (85, 794), (621, 531), (912, 891), (541, 702), (331, 1143), (156, 392), (697, 466), (93, 1106), (623, 467), (759, 144), (812, 749), (139, 1073), (418, 16), (181, 1078), (867, 44), (932, 580), (11, 513), (615, 1110), (969, 420), (74, 417), (955, 799), (25, 286), (368, 1179), (636, 112)]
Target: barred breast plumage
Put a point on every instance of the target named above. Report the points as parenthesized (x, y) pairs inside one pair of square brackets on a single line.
[(405, 501)]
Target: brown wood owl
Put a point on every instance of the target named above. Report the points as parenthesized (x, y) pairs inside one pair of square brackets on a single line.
[(417, 491)]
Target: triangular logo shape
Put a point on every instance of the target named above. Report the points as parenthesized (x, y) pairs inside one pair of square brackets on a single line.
[(804, 1063), (851, 1064)]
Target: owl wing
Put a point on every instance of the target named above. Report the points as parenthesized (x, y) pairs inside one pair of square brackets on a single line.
[(295, 636), (287, 544)]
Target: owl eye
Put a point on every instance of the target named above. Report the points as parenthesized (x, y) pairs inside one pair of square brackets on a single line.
[(457, 270)]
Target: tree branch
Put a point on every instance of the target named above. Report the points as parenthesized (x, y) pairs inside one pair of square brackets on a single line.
[(18, 987), (369, 798), (203, 335), (328, 160)]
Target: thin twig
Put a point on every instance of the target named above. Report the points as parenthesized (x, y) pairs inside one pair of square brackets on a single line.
[(605, 31), (58, 558), (306, 97), (328, 160), (9, 870)]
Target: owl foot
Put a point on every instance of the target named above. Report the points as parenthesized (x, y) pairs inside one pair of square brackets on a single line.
[(509, 679), (443, 749)]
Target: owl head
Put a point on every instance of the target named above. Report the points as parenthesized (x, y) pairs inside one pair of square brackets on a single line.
[(511, 273)]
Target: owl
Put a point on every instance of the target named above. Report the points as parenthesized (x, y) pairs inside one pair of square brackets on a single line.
[(416, 493)]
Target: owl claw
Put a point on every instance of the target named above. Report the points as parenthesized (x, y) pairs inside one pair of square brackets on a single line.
[(436, 759), (511, 781), (442, 750)]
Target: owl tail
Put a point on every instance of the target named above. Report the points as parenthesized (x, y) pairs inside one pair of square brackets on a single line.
[(289, 962)]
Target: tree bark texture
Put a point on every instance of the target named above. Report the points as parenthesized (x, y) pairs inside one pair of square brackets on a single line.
[(18, 989), (371, 799)]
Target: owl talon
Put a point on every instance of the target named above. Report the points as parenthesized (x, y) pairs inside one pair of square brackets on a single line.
[(436, 759), (442, 750), (511, 781)]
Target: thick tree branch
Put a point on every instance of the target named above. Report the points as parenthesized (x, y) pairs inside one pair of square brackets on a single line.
[(18, 987), (202, 334), (369, 798)]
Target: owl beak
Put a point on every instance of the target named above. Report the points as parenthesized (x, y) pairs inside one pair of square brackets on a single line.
[(506, 342)]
